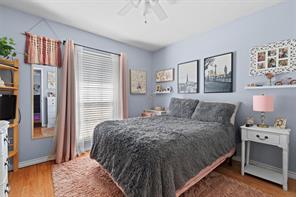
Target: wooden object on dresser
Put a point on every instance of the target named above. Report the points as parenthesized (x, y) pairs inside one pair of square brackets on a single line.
[(152, 112), (4, 188), (270, 136), (13, 88)]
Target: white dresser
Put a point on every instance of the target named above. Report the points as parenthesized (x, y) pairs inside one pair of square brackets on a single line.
[(51, 111), (4, 188)]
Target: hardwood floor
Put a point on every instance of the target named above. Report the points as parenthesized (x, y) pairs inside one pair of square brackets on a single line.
[(36, 181)]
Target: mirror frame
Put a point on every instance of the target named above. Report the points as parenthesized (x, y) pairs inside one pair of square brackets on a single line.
[(32, 101)]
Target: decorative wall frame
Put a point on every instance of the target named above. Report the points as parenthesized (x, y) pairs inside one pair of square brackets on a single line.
[(138, 81), (218, 73), (188, 77), (277, 57), (165, 75)]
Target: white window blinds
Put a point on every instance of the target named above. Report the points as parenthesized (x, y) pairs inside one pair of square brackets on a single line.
[(97, 90)]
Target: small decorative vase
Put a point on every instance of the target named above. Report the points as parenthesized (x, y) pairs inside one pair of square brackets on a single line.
[(269, 76)]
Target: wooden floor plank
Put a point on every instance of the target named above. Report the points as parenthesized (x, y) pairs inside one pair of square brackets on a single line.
[(36, 181)]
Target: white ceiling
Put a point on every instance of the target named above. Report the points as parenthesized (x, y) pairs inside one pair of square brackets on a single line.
[(186, 17)]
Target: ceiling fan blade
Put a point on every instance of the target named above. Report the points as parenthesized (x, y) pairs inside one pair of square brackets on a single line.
[(126, 8), (159, 11)]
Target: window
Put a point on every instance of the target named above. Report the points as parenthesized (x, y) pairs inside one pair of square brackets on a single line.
[(97, 90)]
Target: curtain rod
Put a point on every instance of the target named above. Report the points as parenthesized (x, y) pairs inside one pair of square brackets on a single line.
[(93, 48), (64, 41)]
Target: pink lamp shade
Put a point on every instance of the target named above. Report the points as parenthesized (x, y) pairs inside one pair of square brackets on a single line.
[(262, 103)]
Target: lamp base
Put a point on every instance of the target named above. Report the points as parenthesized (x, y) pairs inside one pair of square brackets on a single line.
[(262, 125)]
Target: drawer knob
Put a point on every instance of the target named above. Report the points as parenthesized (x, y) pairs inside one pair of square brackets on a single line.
[(265, 137), (6, 140), (7, 190)]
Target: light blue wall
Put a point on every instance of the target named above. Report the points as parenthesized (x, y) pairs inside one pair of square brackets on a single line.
[(272, 24), (13, 23)]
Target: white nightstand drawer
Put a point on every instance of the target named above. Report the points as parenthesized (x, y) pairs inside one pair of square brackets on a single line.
[(266, 138)]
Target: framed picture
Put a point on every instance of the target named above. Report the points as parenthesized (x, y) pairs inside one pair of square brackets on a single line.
[(218, 73), (165, 75), (188, 77), (51, 80), (280, 123), (277, 57), (138, 81)]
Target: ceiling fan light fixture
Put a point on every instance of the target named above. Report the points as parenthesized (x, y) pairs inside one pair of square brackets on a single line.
[(149, 5)]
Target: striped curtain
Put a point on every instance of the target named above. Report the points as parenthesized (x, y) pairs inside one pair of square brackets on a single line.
[(42, 50)]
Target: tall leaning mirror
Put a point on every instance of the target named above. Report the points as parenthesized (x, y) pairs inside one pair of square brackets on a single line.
[(44, 101)]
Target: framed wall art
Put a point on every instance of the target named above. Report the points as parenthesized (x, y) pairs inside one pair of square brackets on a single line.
[(188, 77), (138, 81), (218, 73), (277, 57), (165, 75)]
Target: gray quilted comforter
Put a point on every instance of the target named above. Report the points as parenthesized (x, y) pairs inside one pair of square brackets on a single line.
[(153, 157)]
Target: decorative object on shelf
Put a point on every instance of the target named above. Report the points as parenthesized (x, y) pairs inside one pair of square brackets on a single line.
[(160, 90), (42, 50), (2, 84), (255, 85), (292, 81), (269, 76), (165, 75), (138, 81), (250, 122), (158, 108), (7, 48), (277, 57), (188, 77), (262, 103), (280, 123), (279, 83), (218, 75)]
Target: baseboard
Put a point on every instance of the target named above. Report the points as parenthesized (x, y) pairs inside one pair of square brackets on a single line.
[(31, 162), (291, 174)]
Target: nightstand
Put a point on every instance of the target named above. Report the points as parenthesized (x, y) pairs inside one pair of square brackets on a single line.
[(270, 136)]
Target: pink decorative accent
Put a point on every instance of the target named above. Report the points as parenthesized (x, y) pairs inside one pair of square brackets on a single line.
[(42, 50), (204, 172), (123, 86), (66, 129), (262, 103)]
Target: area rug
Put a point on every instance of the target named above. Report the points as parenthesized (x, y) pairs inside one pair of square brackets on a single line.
[(84, 177)]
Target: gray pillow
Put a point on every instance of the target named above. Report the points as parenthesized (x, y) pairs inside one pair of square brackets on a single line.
[(214, 112), (182, 108)]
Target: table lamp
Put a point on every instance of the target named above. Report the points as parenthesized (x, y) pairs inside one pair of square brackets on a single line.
[(262, 103)]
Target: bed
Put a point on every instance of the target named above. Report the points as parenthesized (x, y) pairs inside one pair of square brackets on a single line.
[(162, 156)]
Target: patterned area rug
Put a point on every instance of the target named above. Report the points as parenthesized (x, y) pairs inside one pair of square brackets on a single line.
[(84, 177)]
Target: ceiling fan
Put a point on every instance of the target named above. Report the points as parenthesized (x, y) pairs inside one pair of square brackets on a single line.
[(148, 7)]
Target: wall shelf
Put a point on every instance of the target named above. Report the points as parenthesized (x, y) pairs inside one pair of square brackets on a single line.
[(12, 65), (270, 87), (8, 88), (159, 93), (5, 67)]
